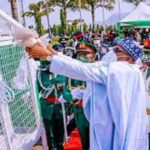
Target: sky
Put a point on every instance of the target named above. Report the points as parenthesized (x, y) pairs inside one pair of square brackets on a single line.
[(54, 16)]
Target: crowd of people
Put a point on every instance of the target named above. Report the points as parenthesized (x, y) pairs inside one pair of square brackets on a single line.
[(93, 83)]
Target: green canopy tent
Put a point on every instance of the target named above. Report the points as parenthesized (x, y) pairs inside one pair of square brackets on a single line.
[(139, 17)]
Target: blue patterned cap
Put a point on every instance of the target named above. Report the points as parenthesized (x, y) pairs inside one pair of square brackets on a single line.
[(131, 47)]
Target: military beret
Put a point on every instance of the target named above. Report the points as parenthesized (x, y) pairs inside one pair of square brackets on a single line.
[(96, 37), (58, 47), (78, 35), (85, 46), (63, 40)]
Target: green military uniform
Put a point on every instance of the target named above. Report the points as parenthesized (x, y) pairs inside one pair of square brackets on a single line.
[(51, 87), (83, 49), (80, 119)]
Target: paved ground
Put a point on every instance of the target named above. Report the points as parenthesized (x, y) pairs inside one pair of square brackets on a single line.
[(38, 148), (73, 144)]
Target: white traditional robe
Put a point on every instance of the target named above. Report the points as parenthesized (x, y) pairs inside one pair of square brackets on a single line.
[(114, 102)]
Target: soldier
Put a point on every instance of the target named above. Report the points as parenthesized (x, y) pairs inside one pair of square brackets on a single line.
[(79, 36), (63, 41), (96, 40), (86, 52), (76, 38), (51, 87)]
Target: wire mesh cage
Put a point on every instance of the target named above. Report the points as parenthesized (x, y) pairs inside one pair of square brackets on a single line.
[(20, 123), (3, 141)]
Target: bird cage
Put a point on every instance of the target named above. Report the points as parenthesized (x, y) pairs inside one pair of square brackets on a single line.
[(20, 122)]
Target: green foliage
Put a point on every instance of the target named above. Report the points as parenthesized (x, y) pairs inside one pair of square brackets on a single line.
[(90, 28), (70, 29), (97, 27), (69, 4), (109, 28), (55, 30), (37, 10), (92, 5), (85, 27), (74, 4), (135, 2), (101, 28), (63, 24)]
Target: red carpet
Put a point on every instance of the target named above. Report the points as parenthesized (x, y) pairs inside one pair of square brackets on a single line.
[(74, 142)]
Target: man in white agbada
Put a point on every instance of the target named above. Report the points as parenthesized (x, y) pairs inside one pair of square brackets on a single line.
[(114, 102)]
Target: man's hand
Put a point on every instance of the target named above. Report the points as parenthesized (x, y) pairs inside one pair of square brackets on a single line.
[(38, 51)]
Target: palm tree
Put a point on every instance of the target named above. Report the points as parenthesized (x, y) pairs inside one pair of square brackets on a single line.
[(64, 5), (94, 4), (78, 5), (37, 10), (135, 2), (14, 9), (63, 23), (67, 4)]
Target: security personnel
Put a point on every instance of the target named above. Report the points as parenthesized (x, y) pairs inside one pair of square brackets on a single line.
[(86, 52), (76, 38), (67, 97), (63, 41), (51, 87)]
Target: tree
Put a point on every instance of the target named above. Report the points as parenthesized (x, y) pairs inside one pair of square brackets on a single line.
[(63, 23), (114, 28), (68, 4), (90, 28), (75, 22), (94, 4), (135, 2), (77, 5), (101, 28), (109, 28), (70, 30), (97, 27), (14, 9), (64, 5), (37, 10), (85, 28), (55, 30), (91, 5)]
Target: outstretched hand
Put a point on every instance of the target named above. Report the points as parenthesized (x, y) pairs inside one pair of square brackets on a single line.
[(38, 51)]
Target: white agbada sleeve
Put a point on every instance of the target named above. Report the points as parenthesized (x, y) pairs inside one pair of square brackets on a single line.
[(63, 65)]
